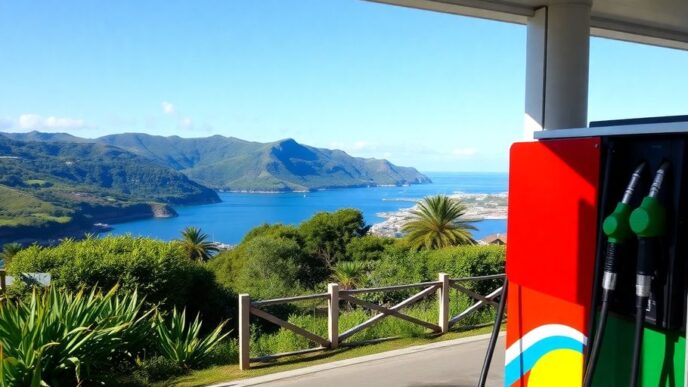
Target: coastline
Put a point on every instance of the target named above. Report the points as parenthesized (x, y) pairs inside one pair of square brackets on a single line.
[(480, 206)]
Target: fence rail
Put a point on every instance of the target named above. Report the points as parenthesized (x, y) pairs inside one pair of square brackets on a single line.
[(335, 295)]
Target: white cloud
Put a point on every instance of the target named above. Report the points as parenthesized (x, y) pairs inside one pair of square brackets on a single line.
[(168, 107), (362, 145), (31, 121), (186, 123), (465, 152)]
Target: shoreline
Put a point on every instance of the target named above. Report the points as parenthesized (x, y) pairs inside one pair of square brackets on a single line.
[(480, 206)]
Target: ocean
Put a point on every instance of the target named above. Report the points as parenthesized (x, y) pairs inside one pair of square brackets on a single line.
[(230, 220)]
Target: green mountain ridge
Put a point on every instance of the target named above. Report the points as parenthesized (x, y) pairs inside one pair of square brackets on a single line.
[(228, 163), (50, 188)]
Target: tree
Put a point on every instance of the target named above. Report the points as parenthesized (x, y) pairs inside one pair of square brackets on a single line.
[(367, 248), (438, 222), (349, 274), (9, 251), (326, 234), (195, 244), (271, 268)]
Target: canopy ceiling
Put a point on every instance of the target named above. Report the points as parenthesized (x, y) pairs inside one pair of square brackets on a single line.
[(655, 22)]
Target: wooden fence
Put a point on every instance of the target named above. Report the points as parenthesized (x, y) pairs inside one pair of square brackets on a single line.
[(3, 285), (335, 295)]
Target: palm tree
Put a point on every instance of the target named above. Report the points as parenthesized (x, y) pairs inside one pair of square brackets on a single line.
[(438, 222), (9, 251), (349, 274), (195, 244)]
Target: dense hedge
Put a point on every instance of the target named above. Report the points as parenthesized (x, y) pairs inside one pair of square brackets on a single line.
[(160, 271)]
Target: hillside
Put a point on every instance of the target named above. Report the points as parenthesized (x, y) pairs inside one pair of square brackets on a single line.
[(232, 164), (60, 187)]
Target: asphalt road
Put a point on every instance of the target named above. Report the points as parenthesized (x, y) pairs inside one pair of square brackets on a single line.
[(452, 365)]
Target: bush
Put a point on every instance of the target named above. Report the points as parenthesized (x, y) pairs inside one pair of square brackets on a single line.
[(469, 261), (56, 337), (181, 342), (271, 268), (225, 352), (63, 338), (158, 270), (367, 248), (158, 368), (326, 234)]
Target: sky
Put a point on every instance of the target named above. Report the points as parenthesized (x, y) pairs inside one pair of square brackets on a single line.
[(434, 91)]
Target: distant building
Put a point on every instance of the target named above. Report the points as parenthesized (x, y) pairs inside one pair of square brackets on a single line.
[(494, 239)]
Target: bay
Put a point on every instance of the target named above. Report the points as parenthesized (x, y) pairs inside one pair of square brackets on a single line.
[(238, 213)]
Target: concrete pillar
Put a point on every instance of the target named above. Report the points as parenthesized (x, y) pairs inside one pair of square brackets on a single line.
[(557, 64), (244, 331), (333, 315), (443, 300)]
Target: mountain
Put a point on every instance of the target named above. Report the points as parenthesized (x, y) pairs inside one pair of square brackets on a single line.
[(51, 186), (232, 164)]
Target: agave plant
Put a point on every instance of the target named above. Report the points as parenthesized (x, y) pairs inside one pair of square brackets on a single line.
[(59, 338), (181, 342), (349, 274)]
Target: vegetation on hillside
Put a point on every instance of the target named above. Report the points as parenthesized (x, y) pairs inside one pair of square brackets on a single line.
[(167, 312), (60, 338), (233, 164), (52, 187)]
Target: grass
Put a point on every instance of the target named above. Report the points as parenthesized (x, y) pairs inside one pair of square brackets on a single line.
[(232, 372)]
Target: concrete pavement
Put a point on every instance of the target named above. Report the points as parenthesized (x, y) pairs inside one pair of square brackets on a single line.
[(454, 363)]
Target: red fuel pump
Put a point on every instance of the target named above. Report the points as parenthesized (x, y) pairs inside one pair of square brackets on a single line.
[(572, 263)]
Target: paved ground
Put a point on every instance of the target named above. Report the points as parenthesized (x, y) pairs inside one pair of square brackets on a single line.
[(454, 363)]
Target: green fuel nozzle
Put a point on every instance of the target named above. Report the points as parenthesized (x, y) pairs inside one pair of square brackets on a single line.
[(648, 222), (618, 230), (616, 225)]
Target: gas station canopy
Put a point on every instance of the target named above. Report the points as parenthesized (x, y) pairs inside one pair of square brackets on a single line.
[(655, 22)]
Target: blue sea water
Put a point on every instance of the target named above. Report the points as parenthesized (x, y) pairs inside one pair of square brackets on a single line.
[(238, 213)]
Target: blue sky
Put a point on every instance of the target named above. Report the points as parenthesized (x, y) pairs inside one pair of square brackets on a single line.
[(438, 92)]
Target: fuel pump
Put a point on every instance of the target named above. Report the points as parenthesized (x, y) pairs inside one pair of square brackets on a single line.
[(648, 222), (586, 314), (617, 229)]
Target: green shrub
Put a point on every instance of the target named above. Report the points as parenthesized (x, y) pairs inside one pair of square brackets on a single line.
[(158, 368), (225, 352), (367, 248), (271, 268), (158, 270), (182, 343), (63, 338), (469, 261)]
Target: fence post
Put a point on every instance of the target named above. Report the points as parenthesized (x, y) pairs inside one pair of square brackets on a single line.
[(2, 282), (333, 315), (244, 331), (443, 301)]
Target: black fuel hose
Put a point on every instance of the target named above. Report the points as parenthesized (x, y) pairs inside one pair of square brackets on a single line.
[(612, 263), (618, 231), (495, 333)]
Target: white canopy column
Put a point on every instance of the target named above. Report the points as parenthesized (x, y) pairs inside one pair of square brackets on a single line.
[(557, 61)]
